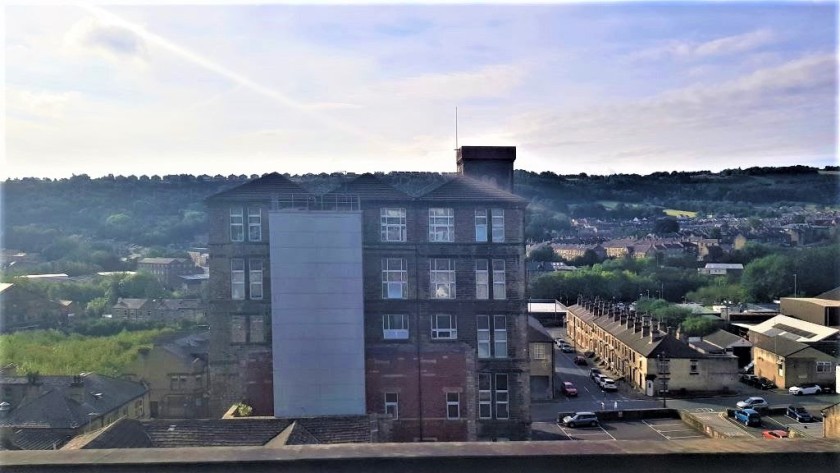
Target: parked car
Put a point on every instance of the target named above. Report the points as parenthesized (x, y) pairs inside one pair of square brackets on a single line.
[(753, 403), (609, 385), (829, 388), (567, 349), (749, 417), (598, 377), (775, 434), (581, 418), (569, 389), (559, 342), (594, 372), (579, 360), (764, 383), (589, 353), (806, 388), (799, 414), (748, 379)]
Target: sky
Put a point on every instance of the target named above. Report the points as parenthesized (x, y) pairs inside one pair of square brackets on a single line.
[(600, 88)]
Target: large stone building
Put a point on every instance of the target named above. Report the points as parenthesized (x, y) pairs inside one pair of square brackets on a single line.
[(371, 300)]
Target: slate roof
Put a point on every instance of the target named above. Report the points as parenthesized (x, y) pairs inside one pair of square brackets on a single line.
[(833, 294), (257, 431), (35, 439), (645, 346), (161, 260), (721, 338), (463, 188), (370, 188), (130, 303), (54, 407), (780, 345), (260, 189), (536, 332)]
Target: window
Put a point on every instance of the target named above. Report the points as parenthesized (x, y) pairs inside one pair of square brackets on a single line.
[(444, 327), (502, 399), (482, 280), (395, 327), (480, 225), (823, 367), (139, 410), (692, 367), (237, 230), (247, 329), (482, 323), (498, 230), (499, 286), (392, 405), (392, 224), (255, 278), (453, 406), (254, 224), (394, 278), (256, 329), (442, 277), (485, 396), (237, 278), (237, 329), (538, 352), (500, 336), (442, 225)]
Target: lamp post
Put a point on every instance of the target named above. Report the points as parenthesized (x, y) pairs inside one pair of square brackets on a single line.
[(794, 285)]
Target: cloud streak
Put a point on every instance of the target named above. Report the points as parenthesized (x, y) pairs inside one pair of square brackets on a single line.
[(691, 50)]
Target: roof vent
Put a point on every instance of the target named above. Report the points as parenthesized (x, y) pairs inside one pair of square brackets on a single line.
[(97, 395), (171, 428), (5, 406)]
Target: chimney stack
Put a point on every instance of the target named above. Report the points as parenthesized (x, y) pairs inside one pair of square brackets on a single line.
[(491, 164)]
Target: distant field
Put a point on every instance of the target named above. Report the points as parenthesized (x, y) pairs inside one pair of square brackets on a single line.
[(680, 213), (608, 204)]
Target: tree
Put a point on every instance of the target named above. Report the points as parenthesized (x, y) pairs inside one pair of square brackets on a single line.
[(667, 225), (695, 326), (543, 253)]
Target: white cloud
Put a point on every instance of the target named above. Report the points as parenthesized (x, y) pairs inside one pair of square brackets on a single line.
[(489, 81), (39, 103), (727, 45), (109, 40)]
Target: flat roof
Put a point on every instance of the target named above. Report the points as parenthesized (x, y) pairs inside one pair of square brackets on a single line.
[(546, 307), (794, 329)]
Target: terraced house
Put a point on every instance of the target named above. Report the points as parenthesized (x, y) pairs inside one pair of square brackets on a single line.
[(371, 300), (646, 354)]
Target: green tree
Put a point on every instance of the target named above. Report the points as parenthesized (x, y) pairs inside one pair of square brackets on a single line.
[(695, 326)]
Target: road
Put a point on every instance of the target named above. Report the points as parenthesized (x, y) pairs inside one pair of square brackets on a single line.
[(592, 398)]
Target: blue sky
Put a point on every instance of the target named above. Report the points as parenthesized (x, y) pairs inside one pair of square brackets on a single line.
[(584, 87)]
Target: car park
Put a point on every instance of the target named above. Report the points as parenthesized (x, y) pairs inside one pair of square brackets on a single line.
[(579, 360), (775, 434), (806, 388), (799, 414), (581, 418), (764, 383), (748, 417), (754, 402), (569, 389)]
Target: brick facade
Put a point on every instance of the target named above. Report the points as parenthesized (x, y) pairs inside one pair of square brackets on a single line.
[(425, 372)]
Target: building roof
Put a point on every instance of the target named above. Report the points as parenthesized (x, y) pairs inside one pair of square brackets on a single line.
[(781, 345), (130, 303), (259, 189), (815, 301), (161, 260), (536, 331), (723, 339), (240, 432), (370, 188), (833, 294), (646, 346), (794, 329), (4, 286), (35, 439), (553, 307), (724, 266), (463, 188), (54, 407)]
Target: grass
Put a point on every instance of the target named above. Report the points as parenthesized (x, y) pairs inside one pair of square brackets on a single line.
[(680, 213)]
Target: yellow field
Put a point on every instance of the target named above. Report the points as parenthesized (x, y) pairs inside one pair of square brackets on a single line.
[(680, 213)]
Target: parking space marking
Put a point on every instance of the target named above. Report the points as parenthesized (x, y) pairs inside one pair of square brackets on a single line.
[(602, 429), (680, 427)]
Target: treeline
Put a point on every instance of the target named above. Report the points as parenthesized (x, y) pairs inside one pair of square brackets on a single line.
[(767, 276), (169, 210)]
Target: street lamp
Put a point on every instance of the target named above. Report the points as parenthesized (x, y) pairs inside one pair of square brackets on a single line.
[(794, 285)]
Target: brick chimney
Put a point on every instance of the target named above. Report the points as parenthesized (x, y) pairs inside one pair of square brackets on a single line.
[(76, 391), (493, 164)]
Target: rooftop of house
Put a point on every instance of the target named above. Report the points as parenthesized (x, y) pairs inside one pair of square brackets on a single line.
[(538, 333), (161, 260), (238, 432), (815, 301), (130, 303), (723, 339), (724, 266), (52, 403)]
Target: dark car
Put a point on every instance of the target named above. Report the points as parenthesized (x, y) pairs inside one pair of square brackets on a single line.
[(567, 349), (748, 379), (764, 383), (589, 353), (799, 414), (579, 360)]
